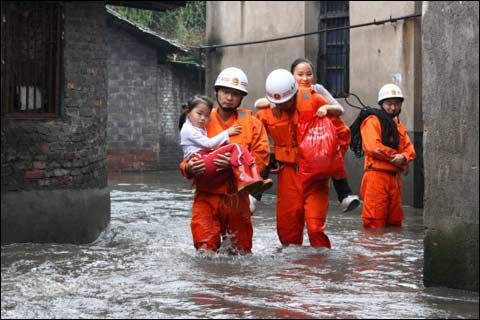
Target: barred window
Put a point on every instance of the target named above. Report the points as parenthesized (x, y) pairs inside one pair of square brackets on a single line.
[(333, 58), (32, 59)]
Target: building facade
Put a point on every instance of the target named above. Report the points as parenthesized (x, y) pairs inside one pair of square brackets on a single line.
[(145, 96), (54, 113), (54, 178)]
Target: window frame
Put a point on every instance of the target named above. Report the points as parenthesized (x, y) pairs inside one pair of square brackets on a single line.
[(325, 20), (48, 77)]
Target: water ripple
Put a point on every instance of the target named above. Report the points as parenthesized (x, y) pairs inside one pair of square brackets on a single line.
[(144, 266)]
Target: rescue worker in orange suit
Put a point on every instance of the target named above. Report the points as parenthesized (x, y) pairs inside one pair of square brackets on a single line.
[(220, 212), (388, 150), (297, 204)]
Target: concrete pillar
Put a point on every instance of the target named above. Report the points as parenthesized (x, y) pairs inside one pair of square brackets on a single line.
[(450, 112)]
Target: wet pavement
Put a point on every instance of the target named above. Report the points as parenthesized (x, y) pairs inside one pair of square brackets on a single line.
[(145, 266)]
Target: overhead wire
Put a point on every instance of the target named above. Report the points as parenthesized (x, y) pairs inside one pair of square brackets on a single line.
[(374, 22)]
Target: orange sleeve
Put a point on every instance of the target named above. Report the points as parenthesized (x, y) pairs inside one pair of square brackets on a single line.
[(259, 147), (262, 117), (371, 131), (343, 133), (319, 100), (183, 169)]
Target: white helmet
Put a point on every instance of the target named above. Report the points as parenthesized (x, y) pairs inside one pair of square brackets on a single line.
[(280, 86), (389, 91), (233, 78)]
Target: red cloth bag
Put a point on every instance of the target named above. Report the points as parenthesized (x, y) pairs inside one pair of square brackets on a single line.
[(319, 153)]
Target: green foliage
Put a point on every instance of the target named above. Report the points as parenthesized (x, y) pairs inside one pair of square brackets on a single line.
[(185, 24)]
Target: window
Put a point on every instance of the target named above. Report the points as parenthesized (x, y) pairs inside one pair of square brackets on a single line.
[(32, 59), (333, 57)]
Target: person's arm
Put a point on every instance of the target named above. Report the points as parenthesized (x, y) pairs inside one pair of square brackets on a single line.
[(259, 147), (329, 109), (323, 107), (204, 142), (222, 161), (262, 117), (326, 94), (262, 103), (371, 131), (192, 167), (408, 151)]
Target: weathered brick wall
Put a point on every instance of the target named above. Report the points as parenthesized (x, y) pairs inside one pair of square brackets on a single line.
[(132, 105), (144, 104), (68, 152), (177, 85), (54, 178)]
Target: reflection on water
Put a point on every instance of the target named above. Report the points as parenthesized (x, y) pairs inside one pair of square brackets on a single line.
[(145, 265)]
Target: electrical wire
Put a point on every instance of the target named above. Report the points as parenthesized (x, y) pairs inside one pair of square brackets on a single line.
[(375, 22)]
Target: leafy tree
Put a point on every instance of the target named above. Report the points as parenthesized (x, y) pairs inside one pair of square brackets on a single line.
[(185, 24)]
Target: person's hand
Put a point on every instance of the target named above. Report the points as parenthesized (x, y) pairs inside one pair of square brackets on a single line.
[(398, 160), (195, 167), (235, 129), (322, 111), (223, 161), (275, 169), (379, 154)]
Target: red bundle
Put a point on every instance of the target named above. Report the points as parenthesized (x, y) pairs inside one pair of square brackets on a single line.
[(318, 149)]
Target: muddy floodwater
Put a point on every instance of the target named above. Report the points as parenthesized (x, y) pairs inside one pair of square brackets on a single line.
[(145, 266)]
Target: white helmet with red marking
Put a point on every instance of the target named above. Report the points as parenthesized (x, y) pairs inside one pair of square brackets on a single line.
[(280, 86), (233, 78)]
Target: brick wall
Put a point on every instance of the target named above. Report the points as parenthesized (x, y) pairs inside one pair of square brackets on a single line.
[(176, 86), (68, 152), (144, 104), (132, 113), (54, 178)]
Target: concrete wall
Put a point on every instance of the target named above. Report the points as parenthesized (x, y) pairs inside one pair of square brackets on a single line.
[(388, 53), (54, 180), (240, 21), (144, 104), (451, 114)]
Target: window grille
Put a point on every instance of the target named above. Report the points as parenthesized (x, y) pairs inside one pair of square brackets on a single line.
[(333, 58), (32, 59)]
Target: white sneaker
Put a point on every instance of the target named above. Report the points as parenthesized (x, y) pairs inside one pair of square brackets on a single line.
[(253, 204), (350, 203)]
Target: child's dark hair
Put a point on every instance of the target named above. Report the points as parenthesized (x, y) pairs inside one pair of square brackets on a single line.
[(300, 61), (192, 103)]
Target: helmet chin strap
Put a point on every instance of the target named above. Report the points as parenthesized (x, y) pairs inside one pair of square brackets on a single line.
[(228, 110)]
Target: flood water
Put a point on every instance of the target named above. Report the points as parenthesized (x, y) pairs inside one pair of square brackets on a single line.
[(145, 266)]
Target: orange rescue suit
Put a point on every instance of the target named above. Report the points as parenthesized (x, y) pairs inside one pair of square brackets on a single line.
[(297, 204), (381, 188), (221, 212)]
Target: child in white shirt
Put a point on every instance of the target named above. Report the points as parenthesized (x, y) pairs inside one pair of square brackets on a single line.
[(196, 143)]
